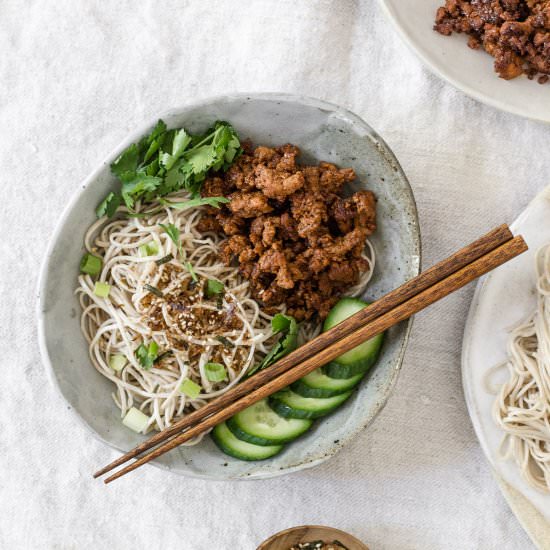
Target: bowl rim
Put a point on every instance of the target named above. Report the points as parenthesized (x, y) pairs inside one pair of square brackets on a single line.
[(135, 135)]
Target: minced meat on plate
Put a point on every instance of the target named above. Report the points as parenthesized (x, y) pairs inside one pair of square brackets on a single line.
[(515, 32)]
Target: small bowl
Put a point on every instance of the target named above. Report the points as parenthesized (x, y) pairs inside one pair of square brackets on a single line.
[(323, 132), (309, 533)]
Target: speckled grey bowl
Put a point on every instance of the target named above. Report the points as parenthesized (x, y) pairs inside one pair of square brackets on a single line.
[(323, 132)]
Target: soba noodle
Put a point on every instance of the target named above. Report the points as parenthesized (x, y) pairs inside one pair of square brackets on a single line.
[(131, 315), (522, 408)]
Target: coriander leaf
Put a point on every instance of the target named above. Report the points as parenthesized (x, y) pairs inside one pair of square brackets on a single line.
[(180, 142), (233, 147), (147, 355), (202, 158), (178, 177), (127, 162), (153, 168), (174, 233), (283, 323), (213, 287), (158, 131), (153, 148), (132, 190), (150, 144), (108, 206), (287, 326), (216, 202)]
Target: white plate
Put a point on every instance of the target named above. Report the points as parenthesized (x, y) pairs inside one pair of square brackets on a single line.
[(468, 70), (500, 301)]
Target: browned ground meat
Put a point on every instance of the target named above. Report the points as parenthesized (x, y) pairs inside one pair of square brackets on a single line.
[(515, 32), (290, 229)]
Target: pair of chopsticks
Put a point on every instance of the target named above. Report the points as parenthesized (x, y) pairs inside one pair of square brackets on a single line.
[(456, 271)]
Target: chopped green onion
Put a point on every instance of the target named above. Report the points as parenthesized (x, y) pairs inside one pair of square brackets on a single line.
[(163, 355), (117, 362), (135, 420), (190, 388), (90, 264), (189, 268), (223, 340), (147, 354), (213, 287), (164, 259), (215, 372), (154, 290), (148, 249), (102, 289)]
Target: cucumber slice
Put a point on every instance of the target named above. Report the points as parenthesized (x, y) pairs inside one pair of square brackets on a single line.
[(242, 450), (359, 359), (291, 405), (261, 425), (318, 384)]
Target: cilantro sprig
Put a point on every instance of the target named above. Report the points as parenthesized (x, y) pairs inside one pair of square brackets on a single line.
[(288, 328), (174, 233), (166, 161)]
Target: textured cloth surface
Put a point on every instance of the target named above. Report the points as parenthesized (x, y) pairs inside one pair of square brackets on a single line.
[(75, 78)]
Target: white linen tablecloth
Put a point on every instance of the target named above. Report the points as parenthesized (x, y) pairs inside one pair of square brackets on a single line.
[(75, 78)]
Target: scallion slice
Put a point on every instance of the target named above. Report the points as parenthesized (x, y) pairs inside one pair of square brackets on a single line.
[(223, 340), (215, 372), (190, 388), (102, 289), (154, 290), (148, 249), (136, 420), (164, 259), (213, 287), (90, 264), (117, 362)]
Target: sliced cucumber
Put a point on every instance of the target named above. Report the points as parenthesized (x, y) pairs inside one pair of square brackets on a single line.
[(359, 359), (291, 405), (261, 425), (232, 446), (318, 384)]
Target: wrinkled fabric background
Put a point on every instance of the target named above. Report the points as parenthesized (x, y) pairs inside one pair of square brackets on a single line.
[(75, 78)]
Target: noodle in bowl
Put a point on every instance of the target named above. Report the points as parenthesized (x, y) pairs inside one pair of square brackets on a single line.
[(190, 329)]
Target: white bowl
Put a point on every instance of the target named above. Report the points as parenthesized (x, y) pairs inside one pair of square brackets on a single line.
[(323, 132)]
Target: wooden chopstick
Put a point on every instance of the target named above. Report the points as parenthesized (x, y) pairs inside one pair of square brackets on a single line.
[(446, 267), (403, 311)]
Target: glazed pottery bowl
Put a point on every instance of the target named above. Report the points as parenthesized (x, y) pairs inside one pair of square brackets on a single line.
[(323, 132)]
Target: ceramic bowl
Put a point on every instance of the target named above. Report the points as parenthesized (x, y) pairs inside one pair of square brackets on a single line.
[(323, 132)]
